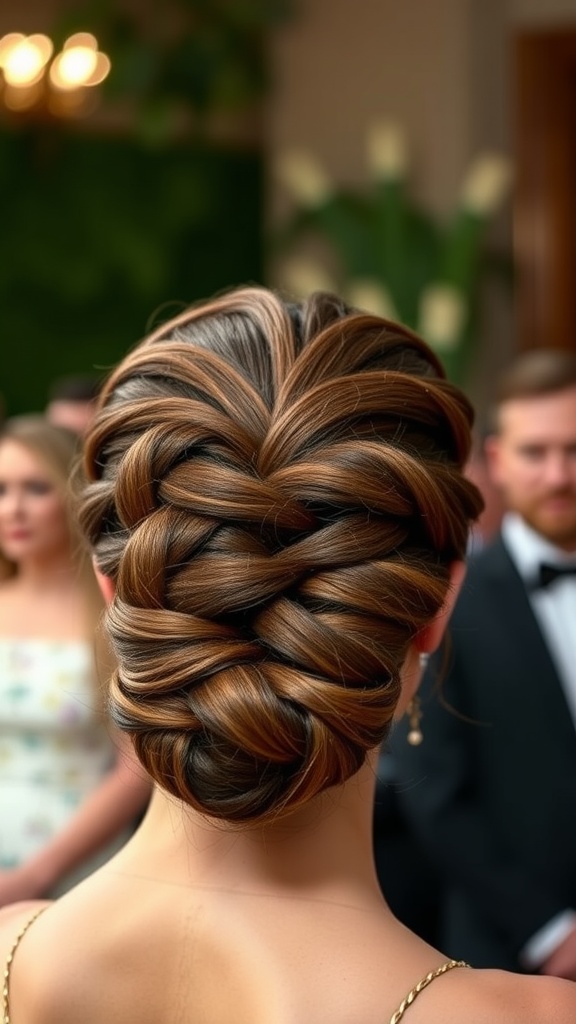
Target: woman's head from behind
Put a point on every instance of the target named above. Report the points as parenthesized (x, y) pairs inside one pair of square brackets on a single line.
[(276, 492), (36, 520)]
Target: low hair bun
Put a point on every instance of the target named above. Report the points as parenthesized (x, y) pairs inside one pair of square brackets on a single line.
[(277, 494)]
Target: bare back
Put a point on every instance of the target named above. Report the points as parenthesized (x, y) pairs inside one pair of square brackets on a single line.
[(136, 950)]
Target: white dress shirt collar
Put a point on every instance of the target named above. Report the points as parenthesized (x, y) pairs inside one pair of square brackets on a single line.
[(528, 549)]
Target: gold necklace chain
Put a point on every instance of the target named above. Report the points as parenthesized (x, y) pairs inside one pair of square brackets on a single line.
[(9, 959), (448, 966)]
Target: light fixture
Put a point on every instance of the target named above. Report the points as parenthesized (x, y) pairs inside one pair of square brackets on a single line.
[(25, 59)]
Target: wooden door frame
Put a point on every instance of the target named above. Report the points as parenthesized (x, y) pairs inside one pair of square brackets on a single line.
[(545, 193)]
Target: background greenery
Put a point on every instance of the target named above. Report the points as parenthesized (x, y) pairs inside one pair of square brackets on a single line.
[(97, 233)]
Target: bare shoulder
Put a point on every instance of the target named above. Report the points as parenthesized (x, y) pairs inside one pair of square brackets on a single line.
[(545, 999), (504, 998), (78, 961), (13, 919)]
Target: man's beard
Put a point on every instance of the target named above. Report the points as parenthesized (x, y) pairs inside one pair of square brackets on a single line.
[(558, 528)]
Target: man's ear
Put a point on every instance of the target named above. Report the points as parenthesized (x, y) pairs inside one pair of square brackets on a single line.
[(106, 585), (428, 639)]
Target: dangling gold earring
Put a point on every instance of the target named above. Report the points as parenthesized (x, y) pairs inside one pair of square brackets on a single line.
[(414, 712)]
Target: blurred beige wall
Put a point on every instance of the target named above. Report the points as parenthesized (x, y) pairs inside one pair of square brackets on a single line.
[(541, 11), (28, 15), (443, 69), (344, 63)]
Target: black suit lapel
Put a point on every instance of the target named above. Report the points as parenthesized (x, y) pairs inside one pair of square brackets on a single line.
[(510, 597)]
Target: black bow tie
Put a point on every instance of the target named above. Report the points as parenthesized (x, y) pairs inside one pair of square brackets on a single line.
[(548, 573)]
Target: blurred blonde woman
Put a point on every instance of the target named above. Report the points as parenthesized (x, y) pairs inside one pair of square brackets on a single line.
[(66, 792), (279, 517)]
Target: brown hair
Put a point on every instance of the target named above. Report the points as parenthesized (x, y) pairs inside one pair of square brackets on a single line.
[(276, 491), (539, 371)]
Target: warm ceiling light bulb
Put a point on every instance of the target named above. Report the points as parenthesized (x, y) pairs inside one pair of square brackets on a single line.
[(73, 67), (43, 44), (101, 71), (7, 43), (23, 64), (81, 39)]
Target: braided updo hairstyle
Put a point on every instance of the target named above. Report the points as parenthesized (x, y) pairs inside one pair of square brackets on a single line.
[(276, 491)]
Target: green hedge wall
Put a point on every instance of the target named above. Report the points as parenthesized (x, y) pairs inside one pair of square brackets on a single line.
[(102, 236)]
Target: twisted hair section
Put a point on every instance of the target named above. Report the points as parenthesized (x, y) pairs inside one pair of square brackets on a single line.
[(277, 492)]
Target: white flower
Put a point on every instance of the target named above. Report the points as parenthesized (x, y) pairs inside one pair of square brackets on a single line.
[(441, 316), (304, 177), (387, 154), (486, 183), (372, 296)]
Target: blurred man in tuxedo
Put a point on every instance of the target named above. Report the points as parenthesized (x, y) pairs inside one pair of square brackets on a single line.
[(491, 790)]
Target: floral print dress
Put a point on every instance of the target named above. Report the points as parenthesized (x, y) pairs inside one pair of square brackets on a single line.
[(54, 747)]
